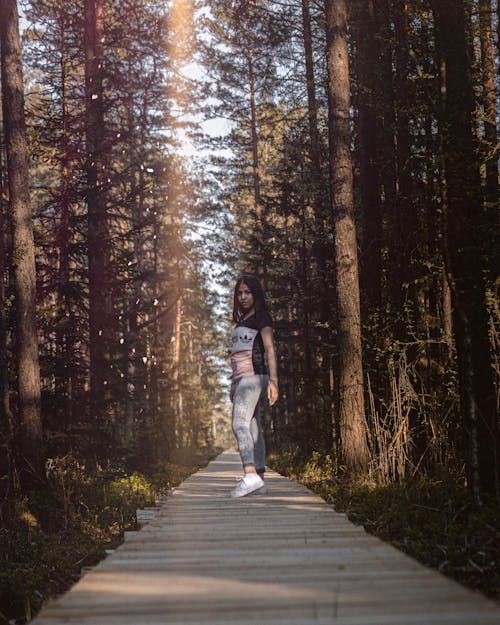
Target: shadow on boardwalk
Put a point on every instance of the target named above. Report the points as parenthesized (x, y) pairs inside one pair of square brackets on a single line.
[(282, 559)]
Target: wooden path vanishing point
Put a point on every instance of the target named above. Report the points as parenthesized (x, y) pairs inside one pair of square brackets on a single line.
[(282, 559)]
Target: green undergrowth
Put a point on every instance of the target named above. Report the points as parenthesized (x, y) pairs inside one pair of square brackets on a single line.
[(47, 537), (431, 518)]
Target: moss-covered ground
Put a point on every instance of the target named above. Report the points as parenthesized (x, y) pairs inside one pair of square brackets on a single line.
[(49, 535)]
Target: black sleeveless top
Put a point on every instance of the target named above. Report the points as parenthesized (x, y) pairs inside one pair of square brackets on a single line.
[(247, 351)]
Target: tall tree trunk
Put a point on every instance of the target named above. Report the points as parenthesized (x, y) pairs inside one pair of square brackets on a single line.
[(136, 370), (466, 264), (490, 109), (6, 418), (66, 331), (28, 370), (6, 421), (305, 263), (351, 425), (155, 391), (446, 303), (386, 162), (407, 221), (367, 70), (319, 198), (176, 375), (312, 106), (407, 230), (98, 236), (260, 263)]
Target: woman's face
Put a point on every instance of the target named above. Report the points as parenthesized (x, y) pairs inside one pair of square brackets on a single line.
[(245, 297)]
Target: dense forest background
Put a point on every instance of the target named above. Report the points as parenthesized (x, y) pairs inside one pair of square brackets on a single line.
[(351, 163)]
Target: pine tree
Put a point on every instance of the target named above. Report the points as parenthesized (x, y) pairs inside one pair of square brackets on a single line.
[(466, 260), (28, 370), (350, 416)]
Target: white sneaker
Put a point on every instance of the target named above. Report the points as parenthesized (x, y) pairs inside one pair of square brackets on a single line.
[(249, 483), (261, 491)]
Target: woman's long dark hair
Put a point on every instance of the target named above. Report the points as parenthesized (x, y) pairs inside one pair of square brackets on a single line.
[(253, 283)]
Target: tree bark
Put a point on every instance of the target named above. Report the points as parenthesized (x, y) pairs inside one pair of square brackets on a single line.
[(6, 419), (319, 200), (28, 370), (407, 223), (176, 375), (351, 425), (64, 370), (465, 257), (446, 303), (98, 235), (312, 106), (367, 69), (260, 264)]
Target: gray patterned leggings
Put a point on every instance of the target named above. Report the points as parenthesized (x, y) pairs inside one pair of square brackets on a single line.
[(246, 423)]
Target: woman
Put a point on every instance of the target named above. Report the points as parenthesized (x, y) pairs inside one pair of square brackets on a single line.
[(255, 372)]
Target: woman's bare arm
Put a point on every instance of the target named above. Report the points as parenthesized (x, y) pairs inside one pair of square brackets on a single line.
[(268, 340)]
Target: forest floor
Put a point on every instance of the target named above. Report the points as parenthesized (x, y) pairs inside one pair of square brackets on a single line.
[(68, 523), (432, 519)]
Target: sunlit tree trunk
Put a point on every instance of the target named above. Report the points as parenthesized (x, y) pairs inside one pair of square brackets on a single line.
[(351, 427), (28, 370)]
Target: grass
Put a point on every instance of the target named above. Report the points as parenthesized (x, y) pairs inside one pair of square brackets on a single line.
[(48, 536), (431, 518)]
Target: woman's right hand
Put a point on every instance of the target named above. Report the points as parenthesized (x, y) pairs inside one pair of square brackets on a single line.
[(272, 392)]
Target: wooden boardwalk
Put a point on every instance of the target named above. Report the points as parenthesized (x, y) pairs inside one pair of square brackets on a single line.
[(282, 559)]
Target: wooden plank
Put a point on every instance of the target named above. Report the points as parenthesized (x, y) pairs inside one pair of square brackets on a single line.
[(282, 559)]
